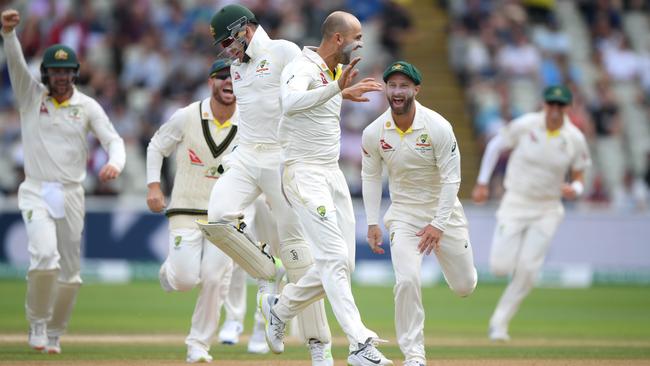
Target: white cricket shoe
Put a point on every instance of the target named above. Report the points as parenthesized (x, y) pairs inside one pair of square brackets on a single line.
[(230, 331), (53, 346), (197, 354), (367, 354), (321, 353), (37, 335), (273, 326), (257, 342), (498, 334), (413, 363)]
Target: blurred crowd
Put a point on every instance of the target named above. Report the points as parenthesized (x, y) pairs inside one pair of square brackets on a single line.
[(143, 59), (505, 52)]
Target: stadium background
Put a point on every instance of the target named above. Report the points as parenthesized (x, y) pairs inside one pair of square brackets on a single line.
[(484, 63)]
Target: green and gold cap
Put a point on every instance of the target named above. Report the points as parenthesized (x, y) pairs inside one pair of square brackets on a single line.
[(60, 55), (229, 18), (558, 94), (219, 65), (405, 68)]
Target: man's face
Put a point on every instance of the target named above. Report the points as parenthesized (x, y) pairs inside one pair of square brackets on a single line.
[(555, 111), (221, 86), (60, 80), (234, 47), (351, 42), (400, 92)]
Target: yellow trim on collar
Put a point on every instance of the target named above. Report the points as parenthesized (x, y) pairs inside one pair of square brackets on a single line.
[(339, 70), (220, 125), (554, 133), (402, 133), (57, 105)]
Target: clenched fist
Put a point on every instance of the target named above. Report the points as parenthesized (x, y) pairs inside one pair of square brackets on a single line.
[(10, 19)]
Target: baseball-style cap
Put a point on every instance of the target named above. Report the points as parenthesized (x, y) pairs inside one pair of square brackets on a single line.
[(558, 94), (218, 66), (405, 68)]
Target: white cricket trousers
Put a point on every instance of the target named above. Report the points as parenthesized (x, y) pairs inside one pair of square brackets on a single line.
[(457, 264), (519, 247), (54, 217), (321, 197), (192, 260)]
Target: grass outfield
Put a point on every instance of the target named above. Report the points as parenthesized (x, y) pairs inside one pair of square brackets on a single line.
[(553, 324)]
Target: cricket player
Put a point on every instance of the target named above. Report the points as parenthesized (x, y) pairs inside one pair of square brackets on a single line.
[(545, 148), (200, 134), (419, 150), (55, 121), (254, 167), (313, 86)]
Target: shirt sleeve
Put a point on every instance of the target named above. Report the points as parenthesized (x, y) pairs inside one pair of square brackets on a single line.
[(25, 86), (296, 93), (447, 155), (490, 159), (163, 143), (582, 158), (103, 129), (514, 131), (371, 175)]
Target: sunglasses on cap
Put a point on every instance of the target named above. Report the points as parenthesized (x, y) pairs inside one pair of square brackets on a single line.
[(558, 104)]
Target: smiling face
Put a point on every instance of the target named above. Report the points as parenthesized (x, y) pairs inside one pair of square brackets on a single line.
[(401, 92), (60, 80), (351, 41), (221, 86)]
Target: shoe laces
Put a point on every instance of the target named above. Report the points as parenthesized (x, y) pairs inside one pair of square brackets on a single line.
[(369, 349), (277, 326), (317, 349)]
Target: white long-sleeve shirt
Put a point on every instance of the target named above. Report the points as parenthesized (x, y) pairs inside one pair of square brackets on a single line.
[(54, 135), (310, 131), (540, 159), (423, 169), (256, 85)]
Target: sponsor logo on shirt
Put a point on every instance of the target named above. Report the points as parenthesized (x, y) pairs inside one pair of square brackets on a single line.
[(533, 137), (194, 159), (323, 79), (364, 151), (263, 68), (385, 145), (44, 109), (237, 76)]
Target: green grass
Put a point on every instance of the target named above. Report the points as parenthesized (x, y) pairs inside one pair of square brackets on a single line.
[(616, 314)]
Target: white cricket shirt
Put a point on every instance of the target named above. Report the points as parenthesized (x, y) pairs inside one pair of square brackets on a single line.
[(310, 131), (54, 136), (423, 169)]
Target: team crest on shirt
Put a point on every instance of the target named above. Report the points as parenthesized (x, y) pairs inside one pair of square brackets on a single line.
[(385, 146), (263, 68), (212, 172), (322, 211), (75, 113), (423, 143), (177, 241), (194, 159)]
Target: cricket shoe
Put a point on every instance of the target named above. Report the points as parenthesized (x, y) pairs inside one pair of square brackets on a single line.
[(197, 354), (230, 331), (37, 338), (257, 342), (498, 335), (367, 354), (413, 363), (273, 326), (53, 346), (321, 353)]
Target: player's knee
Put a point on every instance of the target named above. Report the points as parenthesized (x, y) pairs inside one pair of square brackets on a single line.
[(183, 281), (336, 265), (465, 288), (407, 282), (44, 260)]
